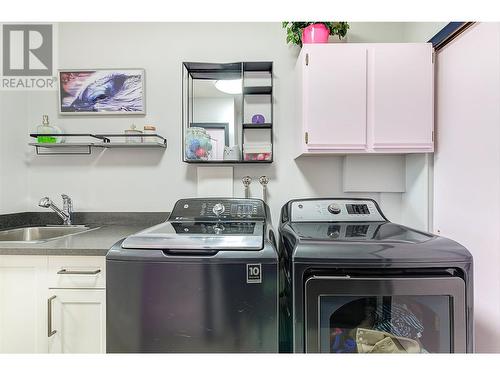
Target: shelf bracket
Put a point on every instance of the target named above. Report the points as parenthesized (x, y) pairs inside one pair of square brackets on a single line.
[(87, 152)]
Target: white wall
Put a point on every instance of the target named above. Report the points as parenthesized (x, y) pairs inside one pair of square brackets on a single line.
[(467, 165), (372, 32), (421, 31), (149, 180), (2, 168), (416, 198), (14, 191)]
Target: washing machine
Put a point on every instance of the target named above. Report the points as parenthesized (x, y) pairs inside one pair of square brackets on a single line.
[(354, 282), (206, 280)]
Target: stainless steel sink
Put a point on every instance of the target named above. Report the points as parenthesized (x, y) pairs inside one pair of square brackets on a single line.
[(40, 234)]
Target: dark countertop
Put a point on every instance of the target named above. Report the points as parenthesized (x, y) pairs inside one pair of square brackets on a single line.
[(107, 229)]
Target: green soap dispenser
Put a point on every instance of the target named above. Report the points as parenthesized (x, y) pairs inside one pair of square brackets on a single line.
[(46, 128)]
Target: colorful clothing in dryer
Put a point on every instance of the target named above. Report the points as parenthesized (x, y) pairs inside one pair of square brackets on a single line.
[(341, 341)]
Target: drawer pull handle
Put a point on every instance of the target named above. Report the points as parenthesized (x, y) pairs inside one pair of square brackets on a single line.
[(50, 331), (66, 272)]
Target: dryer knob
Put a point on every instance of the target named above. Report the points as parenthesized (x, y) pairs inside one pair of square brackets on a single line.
[(334, 209), (218, 209)]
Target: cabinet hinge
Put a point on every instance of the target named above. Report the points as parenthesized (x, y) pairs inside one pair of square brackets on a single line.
[(432, 137), (306, 137), (433, 56), (307, 59)]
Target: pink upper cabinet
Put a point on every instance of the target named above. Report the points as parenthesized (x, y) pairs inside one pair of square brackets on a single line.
[(334, 97), (401, 97), (363, 98)]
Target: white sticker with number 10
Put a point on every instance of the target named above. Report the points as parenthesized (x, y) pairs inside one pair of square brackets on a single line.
[(254, 273)]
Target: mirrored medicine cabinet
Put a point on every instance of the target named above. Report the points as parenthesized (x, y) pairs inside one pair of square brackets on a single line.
[(227, 112)]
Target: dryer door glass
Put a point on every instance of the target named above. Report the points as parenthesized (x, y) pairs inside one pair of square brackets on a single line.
[(385, 315), (385, 324)]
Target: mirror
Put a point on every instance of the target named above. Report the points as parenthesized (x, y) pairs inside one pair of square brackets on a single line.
[(227, 112), (215, 119)]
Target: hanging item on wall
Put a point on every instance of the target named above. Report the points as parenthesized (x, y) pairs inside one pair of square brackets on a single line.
[(102, 92), (247, 180), (264, 180)]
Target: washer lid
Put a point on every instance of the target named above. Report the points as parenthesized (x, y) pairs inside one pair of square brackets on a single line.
[(199, 235)]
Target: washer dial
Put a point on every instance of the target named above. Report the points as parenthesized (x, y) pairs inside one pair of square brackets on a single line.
[(218, 209)]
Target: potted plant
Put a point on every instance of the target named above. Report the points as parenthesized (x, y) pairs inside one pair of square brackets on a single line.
[(313, 32)]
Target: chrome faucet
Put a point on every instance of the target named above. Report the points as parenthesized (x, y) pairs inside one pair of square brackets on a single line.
[(66, 211)]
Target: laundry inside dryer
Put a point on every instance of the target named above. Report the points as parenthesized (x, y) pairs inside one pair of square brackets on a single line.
[(420, 321)]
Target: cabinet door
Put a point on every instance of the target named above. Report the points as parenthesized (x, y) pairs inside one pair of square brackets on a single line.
[(78, 320), (23, 307), (401, 96), (334, 97)]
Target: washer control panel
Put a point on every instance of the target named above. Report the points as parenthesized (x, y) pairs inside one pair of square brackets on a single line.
[(218, 209), (321, 210)]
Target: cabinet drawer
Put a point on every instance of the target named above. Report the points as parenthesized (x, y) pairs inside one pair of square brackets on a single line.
[(77, 272)]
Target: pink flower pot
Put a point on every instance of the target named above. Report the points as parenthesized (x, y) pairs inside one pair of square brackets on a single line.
[(315, 33)]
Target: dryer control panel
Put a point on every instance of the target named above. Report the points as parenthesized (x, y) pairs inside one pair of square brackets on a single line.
[(338, 209)]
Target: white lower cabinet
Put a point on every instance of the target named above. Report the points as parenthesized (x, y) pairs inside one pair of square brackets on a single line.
[(23, 306), (77, 320), (52, 304)]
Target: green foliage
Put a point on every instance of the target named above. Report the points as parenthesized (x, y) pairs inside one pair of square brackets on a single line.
[(294, 30)]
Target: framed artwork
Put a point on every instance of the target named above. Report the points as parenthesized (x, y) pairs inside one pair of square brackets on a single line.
[(219, 137), (102, 92)]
